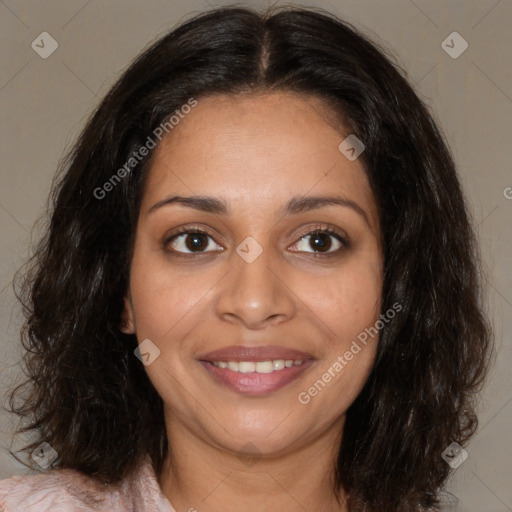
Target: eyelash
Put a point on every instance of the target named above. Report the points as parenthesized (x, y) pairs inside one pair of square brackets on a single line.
[(315, 230)]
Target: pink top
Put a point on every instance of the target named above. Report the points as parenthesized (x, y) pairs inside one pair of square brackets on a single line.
[(66, 490)]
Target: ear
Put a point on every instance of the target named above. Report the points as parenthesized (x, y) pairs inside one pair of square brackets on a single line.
[(127, 318)]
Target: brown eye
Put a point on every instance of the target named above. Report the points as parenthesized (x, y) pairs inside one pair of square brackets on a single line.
[(188, 242), (321, 241)]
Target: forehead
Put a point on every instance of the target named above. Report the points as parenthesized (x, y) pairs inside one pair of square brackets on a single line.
[(260, 150)]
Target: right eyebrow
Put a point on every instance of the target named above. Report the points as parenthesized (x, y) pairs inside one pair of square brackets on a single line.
[(202, 203)]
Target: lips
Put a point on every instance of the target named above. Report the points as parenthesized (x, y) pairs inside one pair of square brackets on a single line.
[(232, 367)]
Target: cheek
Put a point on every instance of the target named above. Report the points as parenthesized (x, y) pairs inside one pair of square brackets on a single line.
[(162, 298), (347, 301), (349, 305)]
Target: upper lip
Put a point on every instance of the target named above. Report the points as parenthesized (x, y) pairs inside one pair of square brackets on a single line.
[(258, 353)]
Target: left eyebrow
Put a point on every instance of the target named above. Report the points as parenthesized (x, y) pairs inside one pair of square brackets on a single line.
[(302, 204), (294, 206)]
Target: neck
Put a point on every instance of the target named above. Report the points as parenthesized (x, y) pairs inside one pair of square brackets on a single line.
[(200, 476)]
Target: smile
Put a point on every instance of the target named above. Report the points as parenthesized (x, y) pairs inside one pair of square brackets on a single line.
[(258, 366), (257, 370)]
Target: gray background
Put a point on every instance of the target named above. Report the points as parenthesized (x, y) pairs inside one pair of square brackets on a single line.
[(44, 104)]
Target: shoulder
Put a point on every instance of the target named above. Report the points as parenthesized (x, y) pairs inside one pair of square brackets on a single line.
[(67, 490), (59, 490)]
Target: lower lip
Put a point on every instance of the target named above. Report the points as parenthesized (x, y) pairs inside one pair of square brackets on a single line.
[(256, 384)]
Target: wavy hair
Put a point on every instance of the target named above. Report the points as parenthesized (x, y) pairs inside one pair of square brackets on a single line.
[(90, 398)]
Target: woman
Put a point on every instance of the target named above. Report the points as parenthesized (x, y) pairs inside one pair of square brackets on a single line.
[(260, 286)]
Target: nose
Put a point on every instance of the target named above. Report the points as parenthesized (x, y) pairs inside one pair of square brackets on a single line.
[(256, 294)]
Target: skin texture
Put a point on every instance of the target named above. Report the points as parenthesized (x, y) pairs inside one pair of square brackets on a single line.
[(256, 152)]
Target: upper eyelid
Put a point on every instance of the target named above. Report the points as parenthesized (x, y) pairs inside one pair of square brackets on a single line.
[(187, 230)]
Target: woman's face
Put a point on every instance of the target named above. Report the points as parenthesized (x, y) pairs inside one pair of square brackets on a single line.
[(262, 291)]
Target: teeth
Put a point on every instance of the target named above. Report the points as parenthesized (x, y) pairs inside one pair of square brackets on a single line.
[(245, 367), (258, 366), (264, 366), (278, 364)]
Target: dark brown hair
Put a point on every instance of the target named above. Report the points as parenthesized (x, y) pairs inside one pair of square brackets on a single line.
[(90, 398)]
